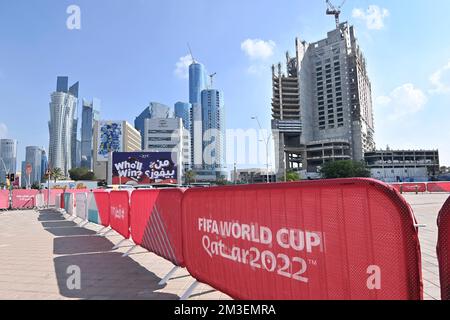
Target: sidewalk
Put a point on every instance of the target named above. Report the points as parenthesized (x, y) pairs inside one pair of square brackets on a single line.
[(37, 248)]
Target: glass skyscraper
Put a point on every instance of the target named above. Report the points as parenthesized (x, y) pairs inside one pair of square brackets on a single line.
[(90, 114), (44, 164), (34, 157), (8, 157), (63, 126), (153, 111), (213, 123), (183, 111), (197, 82)]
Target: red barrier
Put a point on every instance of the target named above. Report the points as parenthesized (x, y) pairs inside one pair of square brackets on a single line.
[(53, 193), (23, 199), (324, 240), (99, 208), (411, 187), (156, 222), (120, 212), (443, 250), (4, 199), (438, 187)]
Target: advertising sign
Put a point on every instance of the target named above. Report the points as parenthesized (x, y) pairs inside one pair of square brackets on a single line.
[(143, 168), (110, 139)]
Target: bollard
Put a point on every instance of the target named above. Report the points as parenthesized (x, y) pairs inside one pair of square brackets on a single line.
[(401, 189), (417, 189)]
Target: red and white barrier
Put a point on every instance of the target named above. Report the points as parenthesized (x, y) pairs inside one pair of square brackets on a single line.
[(327, 240), (23, 199), (81, 206), (120, 212), (443, 250), (4, 199), (99, 208), (438, 187), (156, 222)]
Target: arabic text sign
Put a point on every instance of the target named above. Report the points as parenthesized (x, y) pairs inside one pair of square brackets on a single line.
[(143, 168)]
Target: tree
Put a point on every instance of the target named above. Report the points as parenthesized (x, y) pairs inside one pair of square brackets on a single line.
[(344, 169), (78, 174), (190, 176), (36, 186), (56, 174), (291, 176)]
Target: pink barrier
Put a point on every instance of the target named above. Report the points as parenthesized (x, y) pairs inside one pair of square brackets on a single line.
[(438, 187), (156, 222), (351, 239), (443, 250), (53, 193), (99, 208), (411, 187), (4, 199), (120, 212), (23, 199)]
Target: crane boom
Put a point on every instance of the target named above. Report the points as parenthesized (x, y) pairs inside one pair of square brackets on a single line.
[(334, 11)]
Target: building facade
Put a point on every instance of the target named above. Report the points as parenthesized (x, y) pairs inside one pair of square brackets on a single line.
[(322, 104), (403, 165), (169, 135), (8, 158), (154, 111), (90, 113), (112, 136), (183, 111), (33, 156), (62, 126), (44, 164)]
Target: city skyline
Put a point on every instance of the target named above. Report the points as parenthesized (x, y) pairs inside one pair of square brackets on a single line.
[(406, 99)]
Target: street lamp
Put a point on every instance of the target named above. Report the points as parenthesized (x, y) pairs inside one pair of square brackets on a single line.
[(267, 147)]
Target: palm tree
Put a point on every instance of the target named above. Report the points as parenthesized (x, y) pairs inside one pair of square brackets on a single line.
[(56, 174), (190, 176)]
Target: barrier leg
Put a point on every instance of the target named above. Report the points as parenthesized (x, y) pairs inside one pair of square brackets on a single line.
[(189, 291), (117, 246), (104, 235), (168, 276), (126, 254), (101, 230)]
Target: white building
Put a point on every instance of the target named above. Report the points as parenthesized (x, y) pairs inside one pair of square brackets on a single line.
[(168, 135), (62, 126)]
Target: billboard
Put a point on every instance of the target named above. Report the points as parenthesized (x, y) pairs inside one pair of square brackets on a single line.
[(143, 168), (110, 139)]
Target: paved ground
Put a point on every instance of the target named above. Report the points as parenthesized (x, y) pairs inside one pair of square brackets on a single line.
[(37, 248)]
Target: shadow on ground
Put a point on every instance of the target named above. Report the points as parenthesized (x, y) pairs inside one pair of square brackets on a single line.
[(104, 275)]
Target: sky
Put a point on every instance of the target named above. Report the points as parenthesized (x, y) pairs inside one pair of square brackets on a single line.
[(128, 53)]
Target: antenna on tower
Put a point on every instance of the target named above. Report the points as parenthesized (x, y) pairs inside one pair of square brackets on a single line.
[(190, 52), (334, 11), (211, 77)]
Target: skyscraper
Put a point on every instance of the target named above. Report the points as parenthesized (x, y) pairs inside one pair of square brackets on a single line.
[(154, 111), (183, 111), (213, 127), (322, 105), (8, 158), (90, 114), (44, 164), (33, 156), (62, 125), (197, 82)]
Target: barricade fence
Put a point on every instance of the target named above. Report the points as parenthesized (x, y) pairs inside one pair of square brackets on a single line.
[(328, 240), (4, 199), (443, 250), (431, 187)]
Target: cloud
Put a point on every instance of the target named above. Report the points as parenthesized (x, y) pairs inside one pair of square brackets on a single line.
[(403, 101), (3, 130), (374, 16), (441, 80), (182, 67), (258, 49)]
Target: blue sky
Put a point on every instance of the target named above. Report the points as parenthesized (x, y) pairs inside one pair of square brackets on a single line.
[(126, 54)]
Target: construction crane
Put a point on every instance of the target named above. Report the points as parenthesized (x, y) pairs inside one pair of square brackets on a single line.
[(334, 11), (211, 77), (190, 52)]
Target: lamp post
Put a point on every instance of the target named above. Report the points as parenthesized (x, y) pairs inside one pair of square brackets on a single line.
[(267, 147)]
